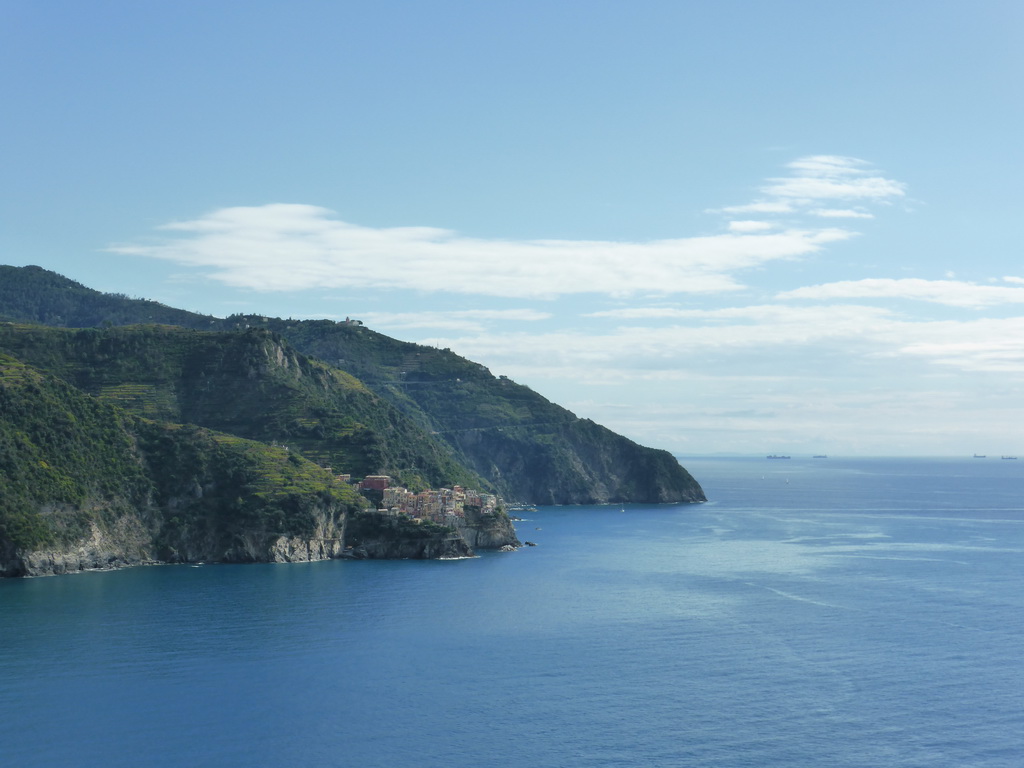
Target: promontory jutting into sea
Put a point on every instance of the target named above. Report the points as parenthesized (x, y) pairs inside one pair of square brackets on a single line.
[(138, 433)]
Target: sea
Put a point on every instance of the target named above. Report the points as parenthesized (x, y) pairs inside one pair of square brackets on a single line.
[(814, 612)]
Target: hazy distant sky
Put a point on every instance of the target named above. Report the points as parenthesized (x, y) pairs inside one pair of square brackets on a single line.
[(759, 227)]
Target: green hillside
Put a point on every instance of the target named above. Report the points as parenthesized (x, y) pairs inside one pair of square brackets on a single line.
[(251, 384), (36, 295), (64, 450), (521, 444), (87, 485)]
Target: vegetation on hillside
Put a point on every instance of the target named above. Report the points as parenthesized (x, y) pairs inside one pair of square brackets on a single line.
[(36, 295), (217, 490), (246, 383), (71, 461), (467, 423), (66, 459)]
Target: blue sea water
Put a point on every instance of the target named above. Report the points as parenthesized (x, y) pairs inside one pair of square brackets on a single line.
[(821, 612)]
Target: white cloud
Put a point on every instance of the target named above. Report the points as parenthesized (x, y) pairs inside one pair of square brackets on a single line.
[(292, 247), (810, 188), (750, 226), (829, 166), (951, 293), (989, 345), (763, 340), (642, 313), (999, 355), (299, 247), (841, 213), (654, 347), (832, 177), (774, 317), (820, 179), (761, 206), (469, 320)]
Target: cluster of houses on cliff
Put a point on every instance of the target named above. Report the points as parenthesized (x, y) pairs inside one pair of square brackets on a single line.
[(446, 506)]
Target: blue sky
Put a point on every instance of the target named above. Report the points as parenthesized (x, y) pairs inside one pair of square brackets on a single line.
[(754, 227)]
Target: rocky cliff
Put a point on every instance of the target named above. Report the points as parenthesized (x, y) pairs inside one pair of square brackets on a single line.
[(119, 543), (126, 542), (375, 536), (487, 531)]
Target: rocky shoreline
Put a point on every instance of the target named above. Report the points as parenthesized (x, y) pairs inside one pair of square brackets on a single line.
[(125, 543)]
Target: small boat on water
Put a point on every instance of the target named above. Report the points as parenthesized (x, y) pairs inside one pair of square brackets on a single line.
[(1010, 457), (775, 456)]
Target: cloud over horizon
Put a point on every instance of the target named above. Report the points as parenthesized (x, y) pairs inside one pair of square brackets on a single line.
[(666, 341), (953, 293)]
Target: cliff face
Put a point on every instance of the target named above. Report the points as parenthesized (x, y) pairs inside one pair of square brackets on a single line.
[(123, 542), (487, 531), (320, 537), (374, 536), (126, 543), (441, 548), (577, 462), (126, 540), (326, 543)]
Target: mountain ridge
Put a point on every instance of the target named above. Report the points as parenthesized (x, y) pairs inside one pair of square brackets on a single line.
[(524, 446)]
